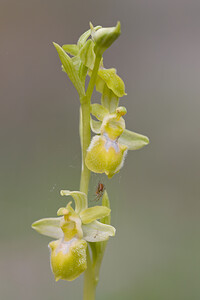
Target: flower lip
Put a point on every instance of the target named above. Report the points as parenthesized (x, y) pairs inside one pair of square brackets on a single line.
[(111, 143), (64, 246), (68, 259), (105, 159)]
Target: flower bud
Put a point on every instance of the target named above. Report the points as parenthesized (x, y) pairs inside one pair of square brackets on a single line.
[(105, 155), (68, 259), (104, 37)]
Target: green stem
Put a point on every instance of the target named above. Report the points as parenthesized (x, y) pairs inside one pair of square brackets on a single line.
[(89, 280), (85, 136), (99, 258), (85, 133)]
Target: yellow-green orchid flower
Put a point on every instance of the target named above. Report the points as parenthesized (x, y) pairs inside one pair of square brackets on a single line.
[(73, 229), (108, 149)]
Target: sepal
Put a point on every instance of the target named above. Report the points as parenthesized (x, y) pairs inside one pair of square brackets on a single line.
[(113, 81), (80, 199), (97, 231), (49, 227), (133, 140), (95, 126)]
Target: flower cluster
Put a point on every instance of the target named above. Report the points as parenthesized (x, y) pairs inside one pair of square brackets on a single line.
[(74, 228)]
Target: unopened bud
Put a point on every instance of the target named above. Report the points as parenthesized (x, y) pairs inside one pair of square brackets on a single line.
[(104, 37)]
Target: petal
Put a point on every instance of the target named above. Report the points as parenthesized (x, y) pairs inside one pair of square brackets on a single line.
[(133, 140), (66, 210), (79, 198), (92, 213), (95, 126), (113, 81), (49, 227), (99, 111), (97, 232)]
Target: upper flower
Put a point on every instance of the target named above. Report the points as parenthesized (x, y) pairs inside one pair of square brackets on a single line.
[(108, 149)]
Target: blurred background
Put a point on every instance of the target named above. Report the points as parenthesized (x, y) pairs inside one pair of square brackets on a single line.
[(155, 197)]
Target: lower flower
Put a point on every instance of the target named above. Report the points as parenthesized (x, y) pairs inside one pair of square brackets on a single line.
[(72, 230)]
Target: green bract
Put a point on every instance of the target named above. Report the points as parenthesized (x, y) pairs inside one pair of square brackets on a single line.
[(83, 58), (70, 69), (72, 229)]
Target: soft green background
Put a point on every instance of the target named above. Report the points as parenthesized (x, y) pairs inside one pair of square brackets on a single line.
[(155, 198)]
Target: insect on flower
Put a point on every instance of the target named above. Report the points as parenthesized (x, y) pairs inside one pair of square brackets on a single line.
[(99, 191)]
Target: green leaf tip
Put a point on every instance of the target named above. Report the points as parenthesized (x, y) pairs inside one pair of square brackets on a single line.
[(70, 69)]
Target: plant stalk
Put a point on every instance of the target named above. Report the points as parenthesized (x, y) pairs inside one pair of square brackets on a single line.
[(85, 137), (89, 280), (85, 133)]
